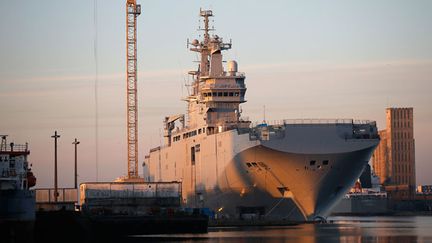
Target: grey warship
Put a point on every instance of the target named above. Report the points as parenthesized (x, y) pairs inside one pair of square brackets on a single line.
[(294, 170)]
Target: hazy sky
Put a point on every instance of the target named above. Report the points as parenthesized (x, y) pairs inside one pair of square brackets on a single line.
[(303, 59)]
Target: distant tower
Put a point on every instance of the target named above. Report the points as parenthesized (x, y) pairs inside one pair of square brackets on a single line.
[(394, 158)]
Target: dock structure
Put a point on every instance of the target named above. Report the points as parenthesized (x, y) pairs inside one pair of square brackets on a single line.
[(129, 198), (46, 199), (107, 210)]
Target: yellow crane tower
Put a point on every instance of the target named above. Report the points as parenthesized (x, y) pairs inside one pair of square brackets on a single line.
[(132, 12)]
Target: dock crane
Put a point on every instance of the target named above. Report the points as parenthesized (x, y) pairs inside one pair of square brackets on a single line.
[(132, 11)]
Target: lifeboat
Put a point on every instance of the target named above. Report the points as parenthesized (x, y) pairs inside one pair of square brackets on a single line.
[(31, 179)]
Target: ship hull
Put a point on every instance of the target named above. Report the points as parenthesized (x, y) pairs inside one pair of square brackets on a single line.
[(293, 177), (17, 205), (281, 185), (17, 215)]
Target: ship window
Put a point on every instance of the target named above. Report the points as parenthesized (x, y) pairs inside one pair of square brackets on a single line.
[(225, 93), (214, 94), (231, 94), (203, 129), (312, 162), (193, 155), (262, 164), (199, 131), (236, 94), (220, 94), (209, 94), (325, 162), (248, 164), (254, 164)]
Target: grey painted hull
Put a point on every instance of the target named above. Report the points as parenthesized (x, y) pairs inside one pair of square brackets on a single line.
[(361, 206), (297, 175), (286, 185)]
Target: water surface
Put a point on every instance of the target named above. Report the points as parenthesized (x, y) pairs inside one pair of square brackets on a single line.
[(339, 229)]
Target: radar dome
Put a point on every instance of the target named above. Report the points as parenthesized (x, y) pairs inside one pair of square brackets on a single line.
[(232, 67), (195, 42)]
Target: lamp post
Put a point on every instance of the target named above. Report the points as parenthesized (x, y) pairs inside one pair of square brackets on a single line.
[(76, 142), (55, 136)]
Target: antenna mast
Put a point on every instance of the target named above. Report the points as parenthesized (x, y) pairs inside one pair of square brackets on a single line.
[(132, 12), (206, 14)]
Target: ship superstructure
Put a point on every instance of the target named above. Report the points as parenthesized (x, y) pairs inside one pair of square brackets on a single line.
[(17, 201), (296, 169)]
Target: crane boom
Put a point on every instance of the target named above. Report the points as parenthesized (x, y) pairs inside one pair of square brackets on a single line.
[(132, 12)]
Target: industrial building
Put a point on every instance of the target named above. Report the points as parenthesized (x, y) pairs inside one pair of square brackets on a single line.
[(394, 159)]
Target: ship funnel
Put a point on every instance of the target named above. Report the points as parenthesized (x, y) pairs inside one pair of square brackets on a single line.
[(232, 68)]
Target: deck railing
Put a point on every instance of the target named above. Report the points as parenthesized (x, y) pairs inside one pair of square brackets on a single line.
[(14, 148), (306, 121)]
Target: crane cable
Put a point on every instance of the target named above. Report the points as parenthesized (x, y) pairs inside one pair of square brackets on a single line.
[(95, 54)]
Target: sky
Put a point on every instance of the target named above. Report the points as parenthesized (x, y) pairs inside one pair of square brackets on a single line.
[(302, 59)]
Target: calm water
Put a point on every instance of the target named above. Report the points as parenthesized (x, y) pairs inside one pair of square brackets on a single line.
[(341, 229)]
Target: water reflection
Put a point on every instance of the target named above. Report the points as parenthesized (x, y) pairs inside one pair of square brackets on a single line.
[(340, 229)]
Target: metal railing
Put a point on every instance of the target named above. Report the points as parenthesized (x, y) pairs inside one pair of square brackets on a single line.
[(14, 148), (65, 195), (313, 121)]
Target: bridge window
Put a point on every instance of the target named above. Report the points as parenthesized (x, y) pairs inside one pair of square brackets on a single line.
[(225, 93), (236, 94), (176, 138), (209, 94), (220, 94), (231, 94), (325, 162), (312, 162)]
